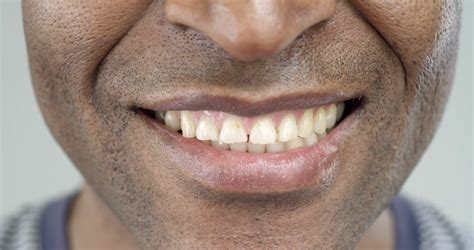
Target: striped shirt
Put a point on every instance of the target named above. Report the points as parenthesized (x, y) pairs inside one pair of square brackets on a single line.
[(419, 225)]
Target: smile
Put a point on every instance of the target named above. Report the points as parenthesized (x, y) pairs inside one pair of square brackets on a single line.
[(258, 152), (272, 133)]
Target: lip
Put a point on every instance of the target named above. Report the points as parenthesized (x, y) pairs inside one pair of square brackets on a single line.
[(240, 106), (254, 173)]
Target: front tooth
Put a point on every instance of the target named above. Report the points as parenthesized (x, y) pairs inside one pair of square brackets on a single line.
[(206, 129), (296, 143), (233, 131), (241, 147), (305, 127), (287, 130), (311, 140), (331, 115), (172, 120), (188, 127), (320, 121), (220, 145), (255, 148), (275, 147), (263, 131), (340, 110)]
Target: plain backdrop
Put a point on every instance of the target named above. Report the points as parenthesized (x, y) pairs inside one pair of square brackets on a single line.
[(34, 168)]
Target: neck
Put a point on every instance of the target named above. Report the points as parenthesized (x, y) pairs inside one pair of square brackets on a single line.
[(93, 225)]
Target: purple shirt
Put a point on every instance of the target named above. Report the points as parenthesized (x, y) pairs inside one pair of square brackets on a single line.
[(53, 225)]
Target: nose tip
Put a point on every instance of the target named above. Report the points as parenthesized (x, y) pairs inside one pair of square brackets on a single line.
[(253, 29)]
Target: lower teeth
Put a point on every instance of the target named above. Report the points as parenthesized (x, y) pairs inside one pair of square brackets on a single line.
[(276, 147)]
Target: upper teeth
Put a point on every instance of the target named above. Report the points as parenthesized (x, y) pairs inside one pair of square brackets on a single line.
[(331, 114), (287, 130), (187, 124), (206, 129), (320, 121), (233, 131), (305, 127), (172, 120), (263, 131), (295, 129)]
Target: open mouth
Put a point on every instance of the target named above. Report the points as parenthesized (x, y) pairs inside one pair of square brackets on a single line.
[(270, 133), (259, 153)]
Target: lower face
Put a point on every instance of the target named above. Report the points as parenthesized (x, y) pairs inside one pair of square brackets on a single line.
[(176, 136)]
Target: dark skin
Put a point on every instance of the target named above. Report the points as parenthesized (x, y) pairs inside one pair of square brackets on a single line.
[(92, 60)]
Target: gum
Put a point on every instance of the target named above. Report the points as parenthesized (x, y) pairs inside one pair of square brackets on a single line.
[(248, 122)]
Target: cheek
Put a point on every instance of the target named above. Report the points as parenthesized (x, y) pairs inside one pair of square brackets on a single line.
[(74, 36), (424, 35), (67, 40), (410, 28)]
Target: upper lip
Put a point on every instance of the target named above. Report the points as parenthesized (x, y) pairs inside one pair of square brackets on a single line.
[(247, 107)]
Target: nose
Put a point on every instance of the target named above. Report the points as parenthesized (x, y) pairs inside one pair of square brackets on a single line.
[(250, 29)]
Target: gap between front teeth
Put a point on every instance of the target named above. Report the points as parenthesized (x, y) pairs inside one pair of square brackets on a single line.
[(295, 129)]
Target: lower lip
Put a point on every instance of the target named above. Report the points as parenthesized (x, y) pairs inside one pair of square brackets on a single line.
[(256, 173)]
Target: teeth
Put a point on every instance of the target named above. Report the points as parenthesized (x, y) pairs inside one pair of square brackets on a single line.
[(340, 110), (296, 143), (172, 120), (187, 124), (220, 145), (321, 136), (320, 121), (311, 140), (263, 132), (287, 130), (233, 131), (264, 137), (206, 129), (256, 148), (275, 147), (305, 127), (331, 114), (241, 147), (161, 115)]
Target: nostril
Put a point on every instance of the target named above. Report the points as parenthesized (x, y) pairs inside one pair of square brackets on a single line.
[(183, 14), (249, 30), (180, 26)]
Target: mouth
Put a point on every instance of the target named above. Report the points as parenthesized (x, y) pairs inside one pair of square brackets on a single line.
[(278, 146)]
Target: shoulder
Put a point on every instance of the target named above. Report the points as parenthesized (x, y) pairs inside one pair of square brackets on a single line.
[(20, 230), (436, 230), (41, 226)]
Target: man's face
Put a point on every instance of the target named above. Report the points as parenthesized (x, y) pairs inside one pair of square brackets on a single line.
[(101, 69)]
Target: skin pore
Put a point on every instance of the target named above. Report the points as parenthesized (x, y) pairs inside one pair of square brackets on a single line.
[(92, 62)]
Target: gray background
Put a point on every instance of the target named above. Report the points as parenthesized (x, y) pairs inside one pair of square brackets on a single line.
[(34, 168)]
